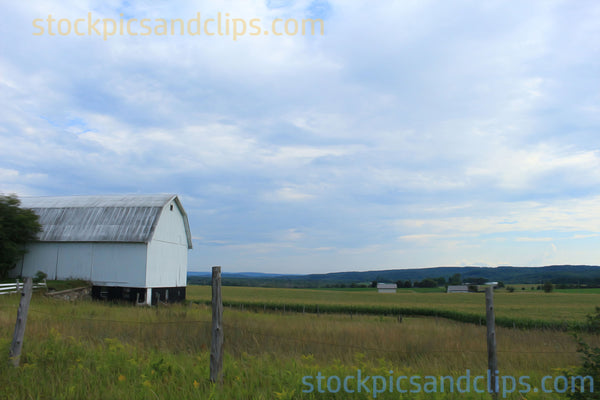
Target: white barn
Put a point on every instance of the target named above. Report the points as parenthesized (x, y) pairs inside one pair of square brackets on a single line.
[(132, 247), (457, 289), (387, 287)]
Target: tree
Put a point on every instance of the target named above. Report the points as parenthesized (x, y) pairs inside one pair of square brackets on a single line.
[(476, 281), (426, 283), (455, 279), (548, 287), (17, 227), (441, 281)]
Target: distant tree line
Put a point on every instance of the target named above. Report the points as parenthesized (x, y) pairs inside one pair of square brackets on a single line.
[(430, 282), (440, 281)]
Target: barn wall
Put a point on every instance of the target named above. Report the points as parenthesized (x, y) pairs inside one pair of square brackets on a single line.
[(119, 264), (170, 227), (167, 265), (75, 260), (168, 250), (39, 257), (108, 264)]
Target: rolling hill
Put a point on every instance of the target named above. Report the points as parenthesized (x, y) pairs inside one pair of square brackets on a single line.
[(567, 274)]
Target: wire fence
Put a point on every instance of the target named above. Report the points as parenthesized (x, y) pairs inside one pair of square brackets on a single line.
[(240, 331), (400, 312)]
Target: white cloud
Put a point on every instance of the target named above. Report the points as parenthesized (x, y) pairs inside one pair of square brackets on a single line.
[(534, 239), (290, 194), (408, 127)]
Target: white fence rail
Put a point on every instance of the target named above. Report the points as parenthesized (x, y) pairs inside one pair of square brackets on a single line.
[(17, 287)]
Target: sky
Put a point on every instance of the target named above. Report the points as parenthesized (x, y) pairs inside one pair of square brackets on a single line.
[(407, 134)]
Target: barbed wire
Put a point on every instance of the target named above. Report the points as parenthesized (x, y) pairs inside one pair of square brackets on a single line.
[(247, 330), (79, 318), (387, 350)]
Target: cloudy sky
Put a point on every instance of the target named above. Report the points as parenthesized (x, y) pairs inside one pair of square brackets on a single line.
[(409, 134)]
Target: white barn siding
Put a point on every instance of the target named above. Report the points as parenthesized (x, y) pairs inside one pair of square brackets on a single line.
[(109, 264), (167, 252), (171, 226), (119, 264), (40, 257), (75, 260), (167, 265)]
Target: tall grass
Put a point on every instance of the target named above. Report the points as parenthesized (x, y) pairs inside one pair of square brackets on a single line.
[(99, 350)]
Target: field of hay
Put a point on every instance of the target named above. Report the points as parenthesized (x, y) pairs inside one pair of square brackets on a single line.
[(519, 306), (98, 350)]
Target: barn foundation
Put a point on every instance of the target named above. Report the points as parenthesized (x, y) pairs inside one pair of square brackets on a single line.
[(150, 296)]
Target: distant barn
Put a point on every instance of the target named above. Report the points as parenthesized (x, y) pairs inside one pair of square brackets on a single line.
[(387, 287), (457, 289), (131, 247)]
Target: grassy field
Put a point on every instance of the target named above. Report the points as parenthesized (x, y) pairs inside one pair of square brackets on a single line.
[(103, 351), (519, 306), (406, 290), (579, 291)]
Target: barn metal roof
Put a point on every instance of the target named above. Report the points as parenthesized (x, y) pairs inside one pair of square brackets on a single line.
[(116, 218)]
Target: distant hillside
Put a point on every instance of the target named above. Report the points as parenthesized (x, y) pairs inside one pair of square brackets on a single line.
[(559, 274), (554, 273)]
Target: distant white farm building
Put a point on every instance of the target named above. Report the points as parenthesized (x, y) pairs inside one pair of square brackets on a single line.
[(387, 287), (457, 289), (131, 247)]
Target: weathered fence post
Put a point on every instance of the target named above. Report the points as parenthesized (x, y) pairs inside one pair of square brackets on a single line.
[(216, 348), (17, 343), (491, 341)]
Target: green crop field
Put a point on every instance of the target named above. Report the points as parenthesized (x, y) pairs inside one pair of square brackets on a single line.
[(98, 350), (519, 306), (579, 291)]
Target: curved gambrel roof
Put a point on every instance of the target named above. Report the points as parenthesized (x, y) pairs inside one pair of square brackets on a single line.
[(114, 218)]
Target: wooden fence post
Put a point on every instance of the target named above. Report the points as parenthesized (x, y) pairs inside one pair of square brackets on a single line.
[(17, 342), (216, 348), (491, 341)]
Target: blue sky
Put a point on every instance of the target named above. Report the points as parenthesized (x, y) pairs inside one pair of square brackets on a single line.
[(410, 134)]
